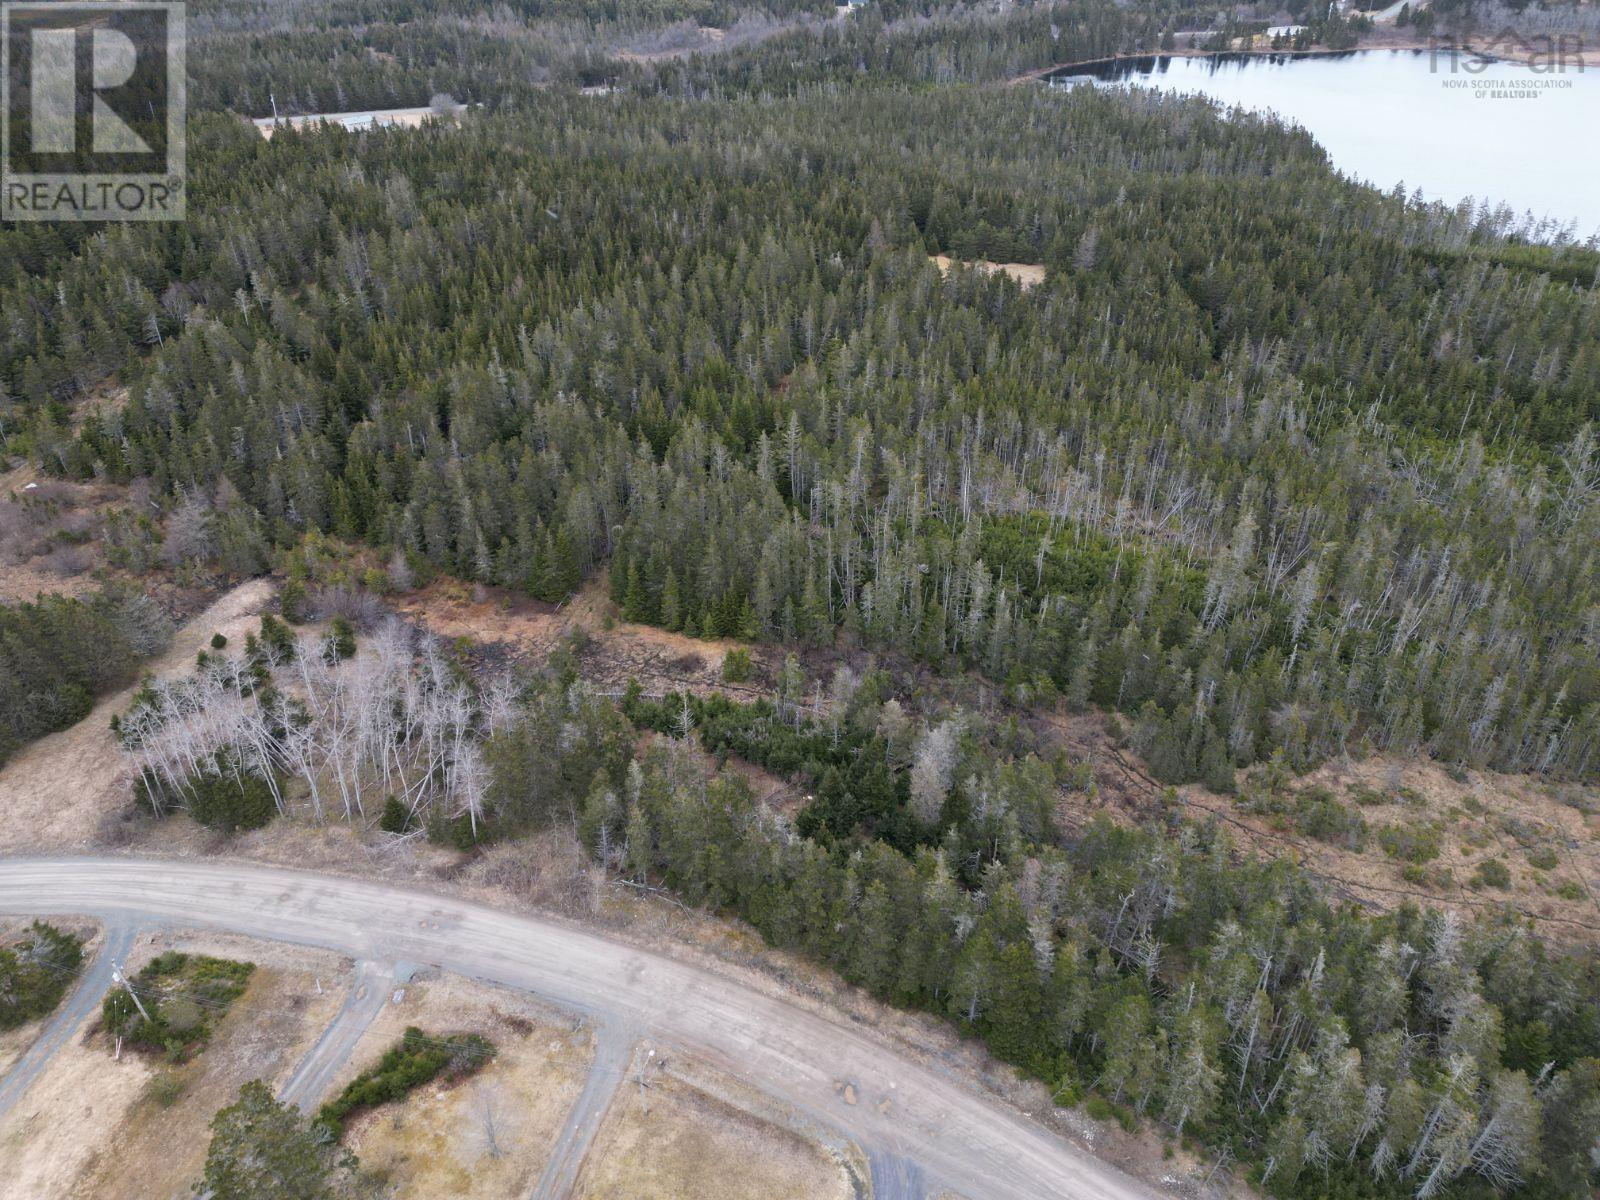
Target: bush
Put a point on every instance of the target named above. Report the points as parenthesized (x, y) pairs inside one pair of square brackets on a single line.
[(341, 639), (414, 1060), (231, 802), (1099, 1108), (35, 973), (184, 996), (396, 817), (219, 641), (165, 1088), (1318, 815), (1412, 844), (737, 666), (1544, 859), (291, 602), (277, 637), (1492, 873), (1313, 812)]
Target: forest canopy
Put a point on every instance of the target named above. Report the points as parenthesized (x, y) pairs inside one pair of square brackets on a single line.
[(1278, 466)]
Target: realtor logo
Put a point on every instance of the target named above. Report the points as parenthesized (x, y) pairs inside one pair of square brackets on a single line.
[(91, 111)]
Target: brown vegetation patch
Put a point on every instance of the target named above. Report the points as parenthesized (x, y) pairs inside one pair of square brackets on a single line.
[(668, 1139), (1027, 275), (1546, 834), (613, 650), (490, 1135)]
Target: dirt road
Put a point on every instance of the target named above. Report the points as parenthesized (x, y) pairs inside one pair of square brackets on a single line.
[(370, 988), (613, 1047), (839, 1075)]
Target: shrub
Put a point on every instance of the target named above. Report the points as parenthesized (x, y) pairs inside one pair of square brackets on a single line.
[(277, 636), (1313, 812), (737, 666), (1544, 859), (183, 995), (1099, 1108), (414, 1060), (230, 802), (396, 817), (1492, 873), (341, 639), (291, 602), (218, 641), (1318, 815), (35, 973), (165, 1088), (1410, 843)]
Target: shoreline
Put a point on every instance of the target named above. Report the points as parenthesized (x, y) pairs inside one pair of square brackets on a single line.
[(1581, 59)]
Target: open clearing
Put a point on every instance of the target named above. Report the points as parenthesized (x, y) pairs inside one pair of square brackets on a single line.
[(669, 1140), (488, 1136), (1549, 847), (1026, 274), (409, 118), (90, 1125), (1546, 835)]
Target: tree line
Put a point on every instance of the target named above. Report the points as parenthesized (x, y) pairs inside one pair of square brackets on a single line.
[(1331, 1051)]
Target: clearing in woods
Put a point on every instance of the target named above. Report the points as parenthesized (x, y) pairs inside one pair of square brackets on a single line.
[(1026, 274)]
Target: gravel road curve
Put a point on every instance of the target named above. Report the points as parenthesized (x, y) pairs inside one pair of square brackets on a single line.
[(957, 1138)]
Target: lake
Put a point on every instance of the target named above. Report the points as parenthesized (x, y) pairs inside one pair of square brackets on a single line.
[(1500, 132)]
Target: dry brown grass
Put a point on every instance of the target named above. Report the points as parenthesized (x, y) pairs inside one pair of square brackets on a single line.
[(1520, 821), (89, 1125), (1516, 820), (671, 1140), (66, 1123), (615, 650), (57, 792), (437, 1142), (1026, 274)]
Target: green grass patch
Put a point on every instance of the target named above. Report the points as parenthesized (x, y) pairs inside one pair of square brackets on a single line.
[(413, 1061), (35, 972), (184, 996)]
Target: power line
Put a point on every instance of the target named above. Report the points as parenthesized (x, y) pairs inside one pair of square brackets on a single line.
[(155, 995)]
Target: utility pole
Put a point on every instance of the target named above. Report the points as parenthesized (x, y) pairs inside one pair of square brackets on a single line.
[(644, 1064), (117, 977)]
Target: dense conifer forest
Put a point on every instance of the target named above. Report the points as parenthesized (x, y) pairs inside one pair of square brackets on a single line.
[(1276, 466)]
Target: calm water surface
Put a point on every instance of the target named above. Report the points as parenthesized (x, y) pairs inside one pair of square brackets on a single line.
[(1501, 132)]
